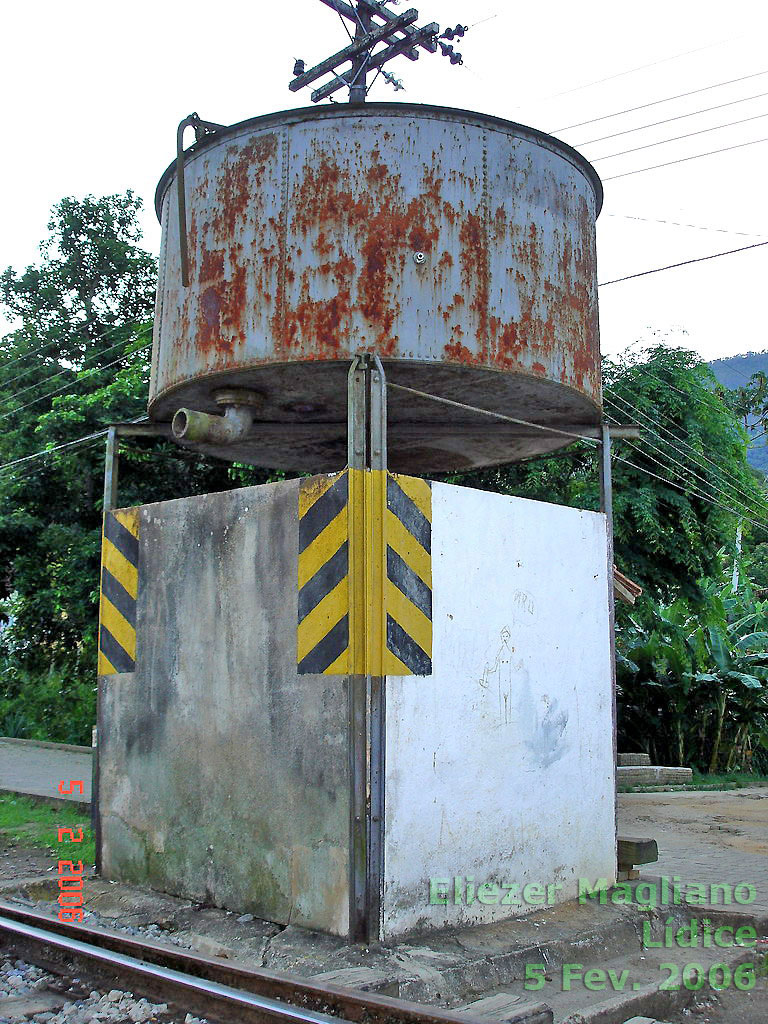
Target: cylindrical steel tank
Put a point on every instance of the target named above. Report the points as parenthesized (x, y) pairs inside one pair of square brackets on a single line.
[(459, 247)]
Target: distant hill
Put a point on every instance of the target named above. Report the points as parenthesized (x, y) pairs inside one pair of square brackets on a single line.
[(732, 373)]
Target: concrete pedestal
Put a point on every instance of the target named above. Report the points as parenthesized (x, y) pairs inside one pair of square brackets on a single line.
[(225, 772)]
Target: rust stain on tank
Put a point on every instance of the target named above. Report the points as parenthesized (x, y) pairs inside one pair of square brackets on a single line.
[(475, 267), (234, 191)]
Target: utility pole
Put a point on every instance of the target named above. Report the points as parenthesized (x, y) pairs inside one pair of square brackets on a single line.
[(380, 35)]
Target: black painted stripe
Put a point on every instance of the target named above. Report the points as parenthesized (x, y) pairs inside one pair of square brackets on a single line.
[(407, 650), (406, 580), (123, 539), (115, 592), (328, 650), (323, 512), (114, 653), (325, 579), (409, 515)]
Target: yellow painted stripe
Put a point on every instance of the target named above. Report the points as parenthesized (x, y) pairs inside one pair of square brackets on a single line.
[(313, 489), (357, 559), (322, 619), (418, 491), (340, 667), (120, 628), (409, 549), (394, 667), (129, 517), (106, 668), (323, 547), (412, 619), (116, 563), (375, 570)]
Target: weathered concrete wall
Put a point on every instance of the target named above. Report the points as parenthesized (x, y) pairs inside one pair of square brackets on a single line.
[(500, 765), (223, 774)]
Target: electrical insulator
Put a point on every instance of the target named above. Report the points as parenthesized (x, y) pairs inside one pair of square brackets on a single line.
[(298, 67)]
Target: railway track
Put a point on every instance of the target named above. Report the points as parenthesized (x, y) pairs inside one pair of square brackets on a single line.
[(221, 991)]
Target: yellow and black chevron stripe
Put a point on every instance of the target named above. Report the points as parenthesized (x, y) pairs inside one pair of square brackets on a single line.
[(408, 598), (365, 575), (119, 588), (323, 613)]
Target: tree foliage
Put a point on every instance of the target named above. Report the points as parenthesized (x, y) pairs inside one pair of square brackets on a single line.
[(77, 361)]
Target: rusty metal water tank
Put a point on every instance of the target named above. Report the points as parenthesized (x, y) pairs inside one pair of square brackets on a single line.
[(459, 247)]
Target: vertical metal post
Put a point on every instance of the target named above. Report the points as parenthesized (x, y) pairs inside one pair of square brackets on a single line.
[(111, 460), (377, 684), (111, 467), (357, 408), (367, 456), (358, 75), (606, 506)]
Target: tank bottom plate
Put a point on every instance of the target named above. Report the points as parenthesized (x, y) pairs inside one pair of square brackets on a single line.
[(302, 423)]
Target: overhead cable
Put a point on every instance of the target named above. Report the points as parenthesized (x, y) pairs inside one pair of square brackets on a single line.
[(685, 159), (678, 138), (655, 103), (736, 484), (76, 381), (723, 490), (683, 263), (682, 224), (679, 487), (44, 380), (667, 120)]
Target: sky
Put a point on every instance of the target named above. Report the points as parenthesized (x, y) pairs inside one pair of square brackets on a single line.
[(93, 93)]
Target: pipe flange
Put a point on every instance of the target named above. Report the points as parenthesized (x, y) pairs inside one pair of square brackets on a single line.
[(238, 396)]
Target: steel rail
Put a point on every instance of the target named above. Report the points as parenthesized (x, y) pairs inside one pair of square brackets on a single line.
[(220, 990)]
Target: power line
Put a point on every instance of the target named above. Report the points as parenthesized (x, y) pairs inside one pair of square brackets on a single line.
[(667, 120), (47, 344), (678, 138), (681, 224), (71, 384), (19, 475), (684, 490), (44, 380), (683, 263), (636, 411), (641, 67), (655, 103), (685, 159), (49, 451), (721, 491), (724, 490)]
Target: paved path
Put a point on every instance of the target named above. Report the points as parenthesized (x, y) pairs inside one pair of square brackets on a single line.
[(707, 837), (36, 768)]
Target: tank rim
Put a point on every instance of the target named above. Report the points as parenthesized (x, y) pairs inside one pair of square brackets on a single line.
[(298, 114)]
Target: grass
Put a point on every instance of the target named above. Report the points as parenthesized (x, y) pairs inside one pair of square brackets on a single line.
[(30, 824), (720, 781)]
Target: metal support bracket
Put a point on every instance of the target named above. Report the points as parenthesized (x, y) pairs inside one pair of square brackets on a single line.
[(367, 456)]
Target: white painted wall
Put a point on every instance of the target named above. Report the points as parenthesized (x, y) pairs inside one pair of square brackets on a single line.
[(500, 765)]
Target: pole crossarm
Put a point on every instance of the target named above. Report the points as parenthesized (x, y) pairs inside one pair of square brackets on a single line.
[(347, 11), (377, 60), (374, 24), (360, 45)]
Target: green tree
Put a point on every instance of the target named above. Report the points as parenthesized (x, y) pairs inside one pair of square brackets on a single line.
[(77, 360), (679, 492)]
